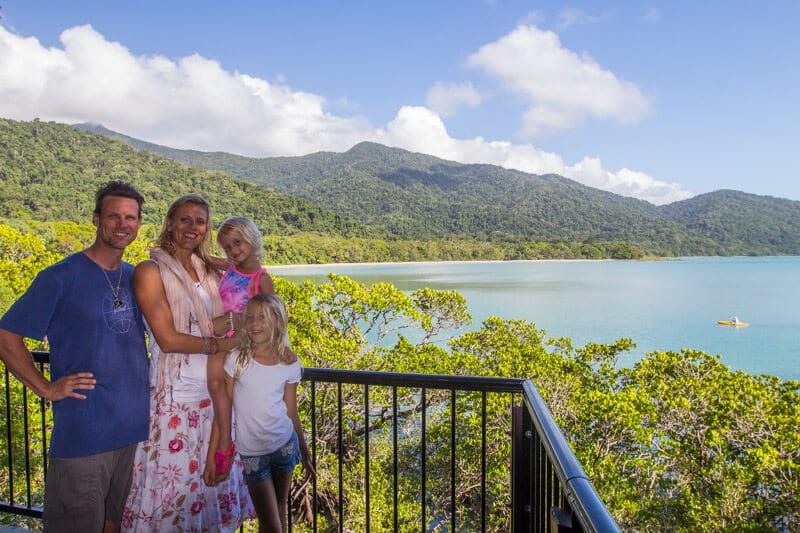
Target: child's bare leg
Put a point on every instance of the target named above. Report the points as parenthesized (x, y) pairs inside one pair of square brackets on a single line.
[(268, 511), (209, 468), (282, 483), (220, 401)]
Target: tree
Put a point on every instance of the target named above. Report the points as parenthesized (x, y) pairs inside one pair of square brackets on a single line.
[(22, 256), (682, 443)]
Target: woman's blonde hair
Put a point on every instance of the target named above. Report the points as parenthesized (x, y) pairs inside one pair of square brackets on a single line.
[(246, 230), (277, 321), (164, 239)]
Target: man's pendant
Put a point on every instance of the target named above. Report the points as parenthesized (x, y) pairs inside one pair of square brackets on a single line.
[(117, 303)]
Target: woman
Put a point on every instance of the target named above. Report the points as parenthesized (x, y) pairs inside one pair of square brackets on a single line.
[(174, 483)]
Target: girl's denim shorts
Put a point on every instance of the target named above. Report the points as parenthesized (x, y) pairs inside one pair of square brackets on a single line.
[(261, 467)]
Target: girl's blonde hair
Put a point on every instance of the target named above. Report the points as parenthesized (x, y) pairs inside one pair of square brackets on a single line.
[(246, 230), (164, 239), (275, 310)]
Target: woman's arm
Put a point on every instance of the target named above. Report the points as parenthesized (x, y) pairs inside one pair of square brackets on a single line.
[(218, 263), (152, 300)]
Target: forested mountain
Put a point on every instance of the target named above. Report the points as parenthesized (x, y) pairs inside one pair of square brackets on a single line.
[(50, 171), (735, 220), (410, 195)]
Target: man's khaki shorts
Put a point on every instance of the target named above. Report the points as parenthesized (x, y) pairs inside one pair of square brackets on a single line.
[(81, 493)]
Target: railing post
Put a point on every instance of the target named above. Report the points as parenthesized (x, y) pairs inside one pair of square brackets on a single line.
[(521, 468)]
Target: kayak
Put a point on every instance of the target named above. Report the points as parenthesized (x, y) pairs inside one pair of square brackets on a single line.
[(732, 323)]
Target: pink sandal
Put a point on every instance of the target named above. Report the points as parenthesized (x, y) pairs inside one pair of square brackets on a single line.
[(223, 461)]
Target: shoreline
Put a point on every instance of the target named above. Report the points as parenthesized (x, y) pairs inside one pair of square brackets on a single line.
[(272, 267), (458, 262)]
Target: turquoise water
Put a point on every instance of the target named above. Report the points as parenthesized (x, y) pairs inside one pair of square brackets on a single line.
[(661, 305)]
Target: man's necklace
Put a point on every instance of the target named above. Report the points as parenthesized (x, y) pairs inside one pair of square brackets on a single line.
[(115, 292)]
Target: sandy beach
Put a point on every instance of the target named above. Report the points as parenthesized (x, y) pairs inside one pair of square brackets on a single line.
[(486, 261)]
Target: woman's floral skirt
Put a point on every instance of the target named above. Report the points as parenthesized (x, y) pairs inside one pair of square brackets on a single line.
[(168, 493)]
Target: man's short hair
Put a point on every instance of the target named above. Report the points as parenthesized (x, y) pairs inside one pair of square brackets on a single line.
[(117, 188)]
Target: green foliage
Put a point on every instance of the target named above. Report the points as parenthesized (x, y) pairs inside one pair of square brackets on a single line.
[(22, 256), (51, 171), (321, 249), (682, 443)]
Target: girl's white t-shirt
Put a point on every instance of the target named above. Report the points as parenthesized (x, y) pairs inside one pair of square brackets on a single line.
[(262, 424)]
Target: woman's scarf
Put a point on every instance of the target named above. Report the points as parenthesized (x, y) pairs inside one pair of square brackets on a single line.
[(186, 307)]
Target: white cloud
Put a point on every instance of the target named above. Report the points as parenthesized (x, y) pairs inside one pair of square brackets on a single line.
[(420, 130), (574, 16), (195, 103), (447, 99), (562, 87), (625, 182), (191, 103)]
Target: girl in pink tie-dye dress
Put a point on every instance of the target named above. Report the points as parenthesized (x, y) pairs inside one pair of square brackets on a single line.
[(242, 243)]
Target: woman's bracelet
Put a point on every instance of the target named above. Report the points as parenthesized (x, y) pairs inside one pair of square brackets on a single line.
[(204, 349), (214, 348)]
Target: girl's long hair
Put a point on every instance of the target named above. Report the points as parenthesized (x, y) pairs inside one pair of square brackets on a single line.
[(164, 239), (275, 310)]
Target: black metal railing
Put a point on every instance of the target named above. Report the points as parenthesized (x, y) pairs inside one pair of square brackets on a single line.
[(19, 496), (401, 452)]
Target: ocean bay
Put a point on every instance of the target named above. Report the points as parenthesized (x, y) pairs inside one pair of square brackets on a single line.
[(660, 305)]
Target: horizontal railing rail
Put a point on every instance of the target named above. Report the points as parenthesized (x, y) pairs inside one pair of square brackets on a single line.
[(425, 419)]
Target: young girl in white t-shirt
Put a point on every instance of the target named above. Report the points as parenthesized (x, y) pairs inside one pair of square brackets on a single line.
[(261, 376)]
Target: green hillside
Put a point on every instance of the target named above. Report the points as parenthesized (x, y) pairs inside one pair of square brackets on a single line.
[(50, 171), (409, 195), (375, 203), (739, 221)]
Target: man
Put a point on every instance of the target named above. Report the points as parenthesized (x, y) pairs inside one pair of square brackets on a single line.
[(84, 306)]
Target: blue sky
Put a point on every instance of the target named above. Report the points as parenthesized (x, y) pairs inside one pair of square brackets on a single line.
[(655, 100)]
